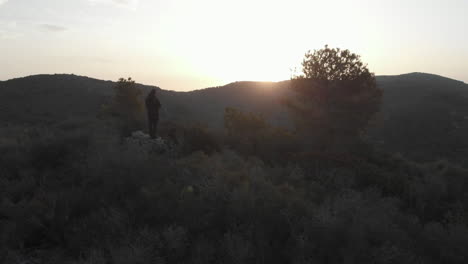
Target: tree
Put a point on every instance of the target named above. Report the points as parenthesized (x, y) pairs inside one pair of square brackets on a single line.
[(245, 129), (127, 104), (251, 134), (336, 97), (243, 124), (334, 64)]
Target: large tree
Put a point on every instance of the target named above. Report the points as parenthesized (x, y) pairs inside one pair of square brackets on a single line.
[(336, 97), (334, 64), (127, 105)]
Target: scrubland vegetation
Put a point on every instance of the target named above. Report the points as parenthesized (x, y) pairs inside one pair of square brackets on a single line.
[(257, 193), (70, 197)]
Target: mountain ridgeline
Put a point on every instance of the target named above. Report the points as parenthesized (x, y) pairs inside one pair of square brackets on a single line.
[(79, 183), (423, 116)]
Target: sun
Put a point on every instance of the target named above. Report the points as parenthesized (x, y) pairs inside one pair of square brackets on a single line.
[(245, 66)]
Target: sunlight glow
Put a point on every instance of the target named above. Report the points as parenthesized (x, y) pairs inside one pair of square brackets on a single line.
[(185, 44)]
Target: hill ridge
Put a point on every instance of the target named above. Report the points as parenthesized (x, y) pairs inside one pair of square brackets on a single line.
[(422, 115), (235, 83)]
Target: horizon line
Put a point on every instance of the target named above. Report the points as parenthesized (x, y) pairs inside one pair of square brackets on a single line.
[(154, 85)]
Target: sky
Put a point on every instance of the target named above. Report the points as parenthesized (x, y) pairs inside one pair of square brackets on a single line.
[(192, 44)]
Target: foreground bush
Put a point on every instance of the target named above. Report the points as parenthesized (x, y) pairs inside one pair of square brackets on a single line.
[(101, 202)]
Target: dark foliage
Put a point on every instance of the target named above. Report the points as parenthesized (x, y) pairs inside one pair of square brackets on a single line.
[(336, 97), (127, 106), (423, 116), (76, 192), (101, 202), (251, 135), (334, 64), (199, 138)]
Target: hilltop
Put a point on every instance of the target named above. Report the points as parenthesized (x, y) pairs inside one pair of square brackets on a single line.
[(424, 116), (77, 189)]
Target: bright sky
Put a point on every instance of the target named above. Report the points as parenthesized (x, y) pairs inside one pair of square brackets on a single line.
[(192, 44)]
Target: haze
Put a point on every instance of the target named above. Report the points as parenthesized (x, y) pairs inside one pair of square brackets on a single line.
[(186, 45)]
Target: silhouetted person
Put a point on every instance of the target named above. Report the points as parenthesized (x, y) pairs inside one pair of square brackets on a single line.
[(152, 107)]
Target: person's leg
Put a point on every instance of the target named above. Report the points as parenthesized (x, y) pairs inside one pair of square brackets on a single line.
[(151, 128), (155, 129)]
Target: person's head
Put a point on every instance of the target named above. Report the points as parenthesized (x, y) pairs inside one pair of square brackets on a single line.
[(153, 92)]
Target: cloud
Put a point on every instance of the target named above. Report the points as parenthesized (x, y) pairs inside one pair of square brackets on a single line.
[(9, 30), (8, 35), (52, 28), (3, 2), (132, 4), (124, 2)]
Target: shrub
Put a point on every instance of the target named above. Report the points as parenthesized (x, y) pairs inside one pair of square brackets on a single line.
[(127, 106), (336, 97)]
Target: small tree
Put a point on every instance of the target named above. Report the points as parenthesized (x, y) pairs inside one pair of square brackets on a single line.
[(334, 64), (127, 104), (243, 124), (251, 134), (336, 97)]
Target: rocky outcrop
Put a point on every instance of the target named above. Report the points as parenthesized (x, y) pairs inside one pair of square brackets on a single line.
[(142, 142)]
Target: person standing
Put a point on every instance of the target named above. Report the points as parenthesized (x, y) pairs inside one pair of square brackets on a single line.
[(152, 107)]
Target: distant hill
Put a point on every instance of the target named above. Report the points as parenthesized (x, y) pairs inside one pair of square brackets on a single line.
[(423, 116), (46, 99), (50, 98)]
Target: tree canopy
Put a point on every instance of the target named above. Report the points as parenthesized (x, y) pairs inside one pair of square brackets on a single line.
[(127, 104), (334, 64), (336, 97)]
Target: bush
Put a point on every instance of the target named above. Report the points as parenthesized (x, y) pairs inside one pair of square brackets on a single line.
[(250, 134), (90, 199), (199, 138), (127, 106), (335, 99)]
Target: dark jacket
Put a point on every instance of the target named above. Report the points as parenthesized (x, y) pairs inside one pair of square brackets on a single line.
[(152, 106)]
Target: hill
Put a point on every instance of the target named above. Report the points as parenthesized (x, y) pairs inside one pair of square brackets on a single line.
[(74, 189), (52, 99), (49, 98), (423, 116)]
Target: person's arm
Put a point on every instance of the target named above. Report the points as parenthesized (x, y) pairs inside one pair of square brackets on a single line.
[(147, 102), (158, 103), (161, 107)]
